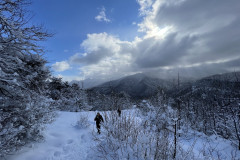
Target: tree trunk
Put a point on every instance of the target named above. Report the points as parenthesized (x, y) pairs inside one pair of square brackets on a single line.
[(175, 141), (239, 145)]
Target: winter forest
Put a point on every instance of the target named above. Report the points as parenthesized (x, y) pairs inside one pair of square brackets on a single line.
[(45, 117)]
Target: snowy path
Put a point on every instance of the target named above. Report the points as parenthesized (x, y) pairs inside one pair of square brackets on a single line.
[(63, 141)]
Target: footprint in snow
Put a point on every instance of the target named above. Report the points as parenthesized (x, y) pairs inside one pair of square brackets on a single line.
[(57, 154), (83, 138), (57, 144), (55, 134), (66, 150), (69, 141)]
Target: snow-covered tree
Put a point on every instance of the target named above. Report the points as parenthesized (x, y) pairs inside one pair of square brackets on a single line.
[(67, 97), (24, 107)]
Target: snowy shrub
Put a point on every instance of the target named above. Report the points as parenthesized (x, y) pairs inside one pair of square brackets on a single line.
[(83, 121), (23, 122), (139, 138), (126, 137)]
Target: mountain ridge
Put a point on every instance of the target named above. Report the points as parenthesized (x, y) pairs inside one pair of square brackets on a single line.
[(141, 85), (136, 86)]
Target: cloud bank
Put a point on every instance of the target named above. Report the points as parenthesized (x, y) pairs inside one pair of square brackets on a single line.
[(198, 37)]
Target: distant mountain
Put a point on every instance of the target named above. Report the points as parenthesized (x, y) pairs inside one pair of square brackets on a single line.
[(136, 86), (88, 83), (231, 76), (141, 85), (219, 85)]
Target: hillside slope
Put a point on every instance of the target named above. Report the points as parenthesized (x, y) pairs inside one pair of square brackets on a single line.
[(136, 86)]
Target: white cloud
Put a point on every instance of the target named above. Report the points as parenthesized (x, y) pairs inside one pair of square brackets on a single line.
[(61, 66), (101, 40), (102, 16), (109, 68), (106, 56), (145, 6), (97, 47), (184, 34)]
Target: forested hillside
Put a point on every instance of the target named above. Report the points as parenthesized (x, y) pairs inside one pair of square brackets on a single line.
[(211, 105)]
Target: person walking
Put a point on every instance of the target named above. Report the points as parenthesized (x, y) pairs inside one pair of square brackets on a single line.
[(119, 112), (98, 120)]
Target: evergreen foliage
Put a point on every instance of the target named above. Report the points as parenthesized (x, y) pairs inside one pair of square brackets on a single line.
[(24, 107)]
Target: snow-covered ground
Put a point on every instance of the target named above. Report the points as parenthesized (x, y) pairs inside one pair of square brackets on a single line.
[(65, 141), (212, 147)]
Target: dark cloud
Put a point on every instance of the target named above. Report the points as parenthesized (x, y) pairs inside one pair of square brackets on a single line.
[(192, 15), (92, 57), (220, 44), (204, 31), (159, 53)]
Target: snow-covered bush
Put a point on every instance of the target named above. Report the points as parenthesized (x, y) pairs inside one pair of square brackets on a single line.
[(83, 121), (139, 137), (127, 137)]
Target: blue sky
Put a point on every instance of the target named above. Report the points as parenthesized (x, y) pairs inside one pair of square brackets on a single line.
[(108, 39), (72, 20)]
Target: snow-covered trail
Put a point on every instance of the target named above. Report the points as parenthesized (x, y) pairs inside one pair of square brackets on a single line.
[(63, 140)]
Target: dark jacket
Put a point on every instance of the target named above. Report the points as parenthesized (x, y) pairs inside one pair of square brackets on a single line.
[(119, 112), (98, 119)]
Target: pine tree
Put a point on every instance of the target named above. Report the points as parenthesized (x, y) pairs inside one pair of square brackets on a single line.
[(24, 107)]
